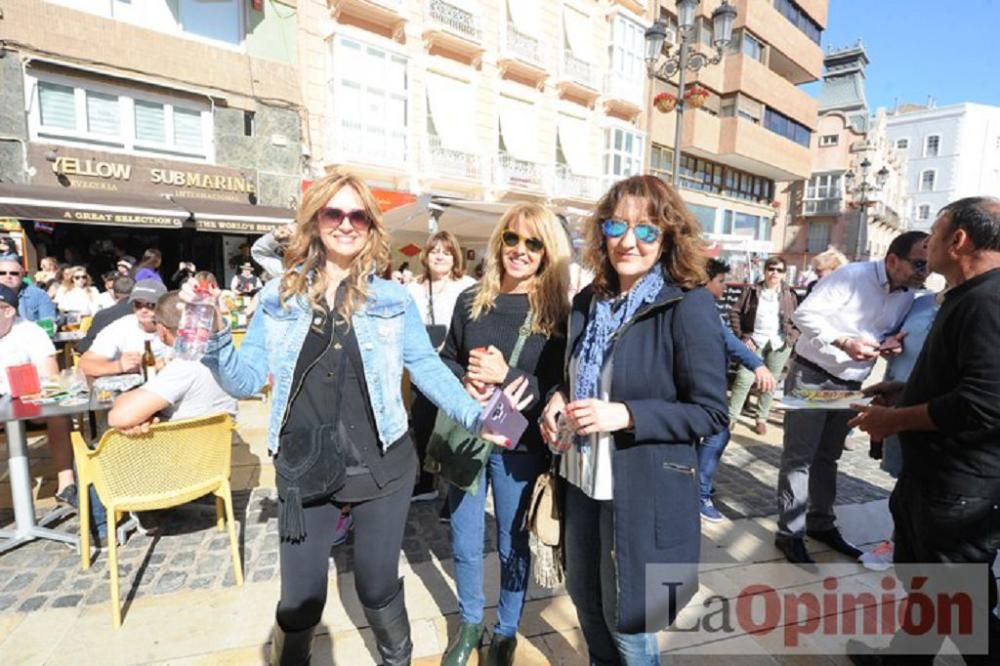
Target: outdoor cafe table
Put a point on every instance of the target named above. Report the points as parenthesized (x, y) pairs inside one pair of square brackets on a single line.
[(13, 414), (67, 339)]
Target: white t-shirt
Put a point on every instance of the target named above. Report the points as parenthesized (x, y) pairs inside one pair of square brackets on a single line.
[(26, 342), (125, 335), (445, 298), (83, 301), (105, 300), (191, 389), (766, 327)]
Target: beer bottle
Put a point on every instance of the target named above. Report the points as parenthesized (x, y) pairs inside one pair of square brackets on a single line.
[(148, 361)]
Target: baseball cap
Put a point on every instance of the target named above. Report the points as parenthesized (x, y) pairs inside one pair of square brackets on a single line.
[(149, 291), (127, 259), (8, 296)]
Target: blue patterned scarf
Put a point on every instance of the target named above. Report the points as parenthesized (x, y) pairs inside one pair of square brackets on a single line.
[(609, 315)]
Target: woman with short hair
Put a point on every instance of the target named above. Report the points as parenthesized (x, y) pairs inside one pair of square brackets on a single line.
[(336, 340), (646, 380), (435, 292), (762, 319)]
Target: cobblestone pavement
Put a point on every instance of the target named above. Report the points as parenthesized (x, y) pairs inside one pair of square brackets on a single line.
[(185, 551)]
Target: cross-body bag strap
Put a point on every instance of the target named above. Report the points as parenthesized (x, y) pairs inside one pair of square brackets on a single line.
[(430, 300), (522, 336)]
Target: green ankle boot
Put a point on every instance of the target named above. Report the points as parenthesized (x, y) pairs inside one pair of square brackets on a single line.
[(501, 651), (461, 647)]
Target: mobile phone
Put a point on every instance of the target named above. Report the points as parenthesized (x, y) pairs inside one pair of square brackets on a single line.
[(501, 417)]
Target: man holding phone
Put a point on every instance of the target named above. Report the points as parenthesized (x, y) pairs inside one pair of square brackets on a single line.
[(849, 319)]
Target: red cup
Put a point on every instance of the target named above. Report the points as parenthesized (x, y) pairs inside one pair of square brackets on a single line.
[(23, 380)]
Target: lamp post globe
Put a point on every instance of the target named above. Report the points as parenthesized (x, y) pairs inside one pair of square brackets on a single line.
[(723, 19)]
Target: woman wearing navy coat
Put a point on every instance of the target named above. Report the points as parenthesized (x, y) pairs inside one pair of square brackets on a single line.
[(645, 381)]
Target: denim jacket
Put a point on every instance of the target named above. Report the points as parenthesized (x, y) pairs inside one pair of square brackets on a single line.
[(390, 334)]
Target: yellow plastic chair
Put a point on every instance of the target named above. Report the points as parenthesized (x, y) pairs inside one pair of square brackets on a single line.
[(177, 462)]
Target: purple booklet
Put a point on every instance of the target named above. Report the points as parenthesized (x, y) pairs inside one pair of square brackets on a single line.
[(500, 416)]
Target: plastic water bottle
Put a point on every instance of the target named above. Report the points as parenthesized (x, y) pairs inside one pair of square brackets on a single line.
[(196, 326)]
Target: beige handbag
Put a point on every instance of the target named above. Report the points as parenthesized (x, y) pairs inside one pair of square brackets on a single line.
[(544, 522)]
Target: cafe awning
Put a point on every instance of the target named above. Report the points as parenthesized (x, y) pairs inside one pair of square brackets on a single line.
[(81, 206), (235, 218)]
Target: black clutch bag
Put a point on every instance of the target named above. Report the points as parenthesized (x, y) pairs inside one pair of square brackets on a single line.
[(309, 466)]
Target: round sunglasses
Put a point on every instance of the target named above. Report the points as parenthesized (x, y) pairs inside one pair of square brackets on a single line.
[(359, 218), (512, 239), (644, 233)]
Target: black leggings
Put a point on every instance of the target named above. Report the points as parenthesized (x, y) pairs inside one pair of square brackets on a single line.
[(378, 539)]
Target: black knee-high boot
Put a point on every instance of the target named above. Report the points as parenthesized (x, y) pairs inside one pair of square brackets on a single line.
[(291, 648), (391, 626)]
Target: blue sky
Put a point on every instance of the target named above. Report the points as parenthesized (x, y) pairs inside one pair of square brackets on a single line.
[(946, 48)]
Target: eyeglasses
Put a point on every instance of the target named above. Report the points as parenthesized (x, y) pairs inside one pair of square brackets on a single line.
[(644, 233), (10, 273), (79, 277), (359, 219), (919, 265), (143, 305), (774, 269), (512, 239)]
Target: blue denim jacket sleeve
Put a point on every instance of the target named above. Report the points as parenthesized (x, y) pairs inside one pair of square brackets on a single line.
[(241, 373), (735, 349), (434, 379)]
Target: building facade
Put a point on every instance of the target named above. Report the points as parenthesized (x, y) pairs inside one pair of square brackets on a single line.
[(162, 124), (481, 101), (828, 211), (953, 152), (752, 136)]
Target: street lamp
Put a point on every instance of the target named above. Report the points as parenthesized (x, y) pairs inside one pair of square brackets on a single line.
[(686, 57), (861, 196)]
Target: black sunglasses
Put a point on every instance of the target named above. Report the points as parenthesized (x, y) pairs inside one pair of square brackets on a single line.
[(512, 239), (359, 219), (10, 273), (143, 305), (774, 269)]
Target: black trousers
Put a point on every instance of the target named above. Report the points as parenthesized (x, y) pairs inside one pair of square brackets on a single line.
[(378, 539), (936, 527)]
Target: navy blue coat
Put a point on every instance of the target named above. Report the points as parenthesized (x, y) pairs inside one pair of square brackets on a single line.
[(670, 370)]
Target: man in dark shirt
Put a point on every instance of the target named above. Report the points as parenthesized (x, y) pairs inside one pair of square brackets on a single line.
[(946, 506), (121, 289)]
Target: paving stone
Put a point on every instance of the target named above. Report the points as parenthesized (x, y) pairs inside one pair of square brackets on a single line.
[(262, 575), (54, 582), (183, 559), (171, 581), (201, 582), (211, 564), (19, 582), (268, 559), (32, 604), (7, 601), (100, 594), (69, 601)]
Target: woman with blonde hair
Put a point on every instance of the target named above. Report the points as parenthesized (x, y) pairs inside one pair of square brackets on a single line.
[(646, 380), (80, 297), (336, 339), (510, 326), (825, 263), (435, 292)]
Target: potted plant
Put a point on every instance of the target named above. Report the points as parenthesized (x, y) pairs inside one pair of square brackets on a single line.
[(665, 102), (696, 96)]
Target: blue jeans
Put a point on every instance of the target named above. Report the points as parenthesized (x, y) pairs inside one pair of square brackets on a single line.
[(709, 454), (591, 583), (512, 477)]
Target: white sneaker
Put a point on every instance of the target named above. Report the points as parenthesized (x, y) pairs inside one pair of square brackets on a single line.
[(879, 558)]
